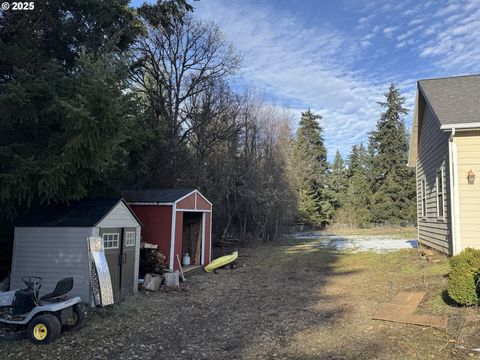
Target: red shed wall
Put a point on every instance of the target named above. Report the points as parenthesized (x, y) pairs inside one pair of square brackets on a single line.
[(187, 203), (202, 204), (156, 225)]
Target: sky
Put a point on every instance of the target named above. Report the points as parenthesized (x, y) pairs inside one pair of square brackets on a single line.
[(339, 57)]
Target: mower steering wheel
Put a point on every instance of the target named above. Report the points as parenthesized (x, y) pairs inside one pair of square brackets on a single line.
[(31, 281)]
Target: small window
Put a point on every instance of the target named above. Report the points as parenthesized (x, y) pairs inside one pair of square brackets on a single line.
[(130, 238), (423, 196), (110, 241), (440, 194)]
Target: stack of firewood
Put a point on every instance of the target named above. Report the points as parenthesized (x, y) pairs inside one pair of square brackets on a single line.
[(152, 261)]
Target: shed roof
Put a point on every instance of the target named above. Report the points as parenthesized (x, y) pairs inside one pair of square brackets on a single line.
[(83, 213), (454, 100), (156, 195)]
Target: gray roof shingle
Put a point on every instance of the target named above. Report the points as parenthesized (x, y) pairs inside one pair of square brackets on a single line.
[(83, 213), (156, 195), (454, 100)]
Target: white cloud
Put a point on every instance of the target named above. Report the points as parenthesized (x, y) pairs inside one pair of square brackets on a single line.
[(362, 20), (416, 21), (365, 43), (452, 41), (451, 7), (311, 67), (388, 31), (368, 37)]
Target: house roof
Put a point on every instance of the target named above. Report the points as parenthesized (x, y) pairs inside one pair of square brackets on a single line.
[(83, 213), (156, 195), (454, 100)]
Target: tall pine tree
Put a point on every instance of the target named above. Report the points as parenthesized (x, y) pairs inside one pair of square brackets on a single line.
[(356, 200), (64, 107), (392, 182), (337, 180), (309, 163)]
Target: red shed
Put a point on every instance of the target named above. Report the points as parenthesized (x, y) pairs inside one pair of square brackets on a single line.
[(179, 221)]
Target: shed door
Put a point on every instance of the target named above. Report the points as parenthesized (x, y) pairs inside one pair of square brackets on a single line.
[(128, 261), (112, 244)]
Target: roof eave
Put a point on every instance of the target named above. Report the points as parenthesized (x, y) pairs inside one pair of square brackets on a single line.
[(461, 126), (150, 203), (413, 152)]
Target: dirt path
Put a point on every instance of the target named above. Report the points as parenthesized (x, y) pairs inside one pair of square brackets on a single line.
[(291, 300)]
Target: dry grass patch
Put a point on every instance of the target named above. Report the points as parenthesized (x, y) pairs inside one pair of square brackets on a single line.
[(285, 300)]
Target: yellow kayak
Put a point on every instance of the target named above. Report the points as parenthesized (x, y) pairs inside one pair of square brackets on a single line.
[(221, 261)]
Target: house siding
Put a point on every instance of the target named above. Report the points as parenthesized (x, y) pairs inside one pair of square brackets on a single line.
[(468, 158), (433, 155), (52, 254)]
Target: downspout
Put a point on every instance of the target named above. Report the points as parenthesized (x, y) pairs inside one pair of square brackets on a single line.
[(454, 201)]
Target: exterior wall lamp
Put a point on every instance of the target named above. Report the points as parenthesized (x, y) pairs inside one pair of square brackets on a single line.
[(471, 177)]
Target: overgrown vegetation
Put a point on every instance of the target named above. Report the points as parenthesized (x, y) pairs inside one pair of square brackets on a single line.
[(97, 97), (464, 279)]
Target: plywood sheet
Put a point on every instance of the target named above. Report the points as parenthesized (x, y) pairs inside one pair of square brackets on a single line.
[(401, 310)]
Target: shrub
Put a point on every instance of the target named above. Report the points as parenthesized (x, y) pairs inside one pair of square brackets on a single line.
[(463, 281), (469, 256)]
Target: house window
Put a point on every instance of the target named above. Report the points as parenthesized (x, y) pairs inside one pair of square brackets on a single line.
[(130, 238), (111, 240), (440, 194), (423, 195)]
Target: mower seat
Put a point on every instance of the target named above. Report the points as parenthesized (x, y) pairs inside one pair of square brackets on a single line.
[(61, 290)]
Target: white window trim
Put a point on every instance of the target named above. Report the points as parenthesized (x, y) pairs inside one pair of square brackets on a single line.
[(134, 238), (442, 178), (112, 247), (423, 198)]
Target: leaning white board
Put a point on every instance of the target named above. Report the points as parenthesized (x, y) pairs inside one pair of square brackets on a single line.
[(97, 254)]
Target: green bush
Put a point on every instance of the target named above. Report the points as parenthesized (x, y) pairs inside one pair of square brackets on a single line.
[(463, 281)]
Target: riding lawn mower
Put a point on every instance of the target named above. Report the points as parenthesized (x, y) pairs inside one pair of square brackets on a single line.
[(43, 317)]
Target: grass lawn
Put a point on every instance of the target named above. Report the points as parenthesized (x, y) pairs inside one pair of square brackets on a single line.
[(285, 300)]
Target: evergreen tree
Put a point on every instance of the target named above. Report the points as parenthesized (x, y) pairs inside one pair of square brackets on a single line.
[(353, 161), (63, 76), (356, 204), (309, 160), (337, 180), (392, 182)]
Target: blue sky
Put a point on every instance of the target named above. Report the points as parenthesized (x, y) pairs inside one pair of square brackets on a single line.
[(338, 57)]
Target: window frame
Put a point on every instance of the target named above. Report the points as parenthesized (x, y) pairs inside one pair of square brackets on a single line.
[(111, 247), (127, 238), (440, 194), (423, 197)]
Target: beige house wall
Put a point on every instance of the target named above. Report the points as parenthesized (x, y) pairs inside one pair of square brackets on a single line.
[(468, 158)]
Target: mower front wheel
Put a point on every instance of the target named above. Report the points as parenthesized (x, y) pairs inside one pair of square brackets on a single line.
[(44, 329)]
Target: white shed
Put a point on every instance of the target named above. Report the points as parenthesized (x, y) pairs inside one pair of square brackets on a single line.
[(52, 243)]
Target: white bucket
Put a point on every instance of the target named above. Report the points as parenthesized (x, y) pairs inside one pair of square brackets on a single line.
[(172, 279)]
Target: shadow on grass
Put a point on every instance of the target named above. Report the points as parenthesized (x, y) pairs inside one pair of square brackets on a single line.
[(299, 271), (449, 301)]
